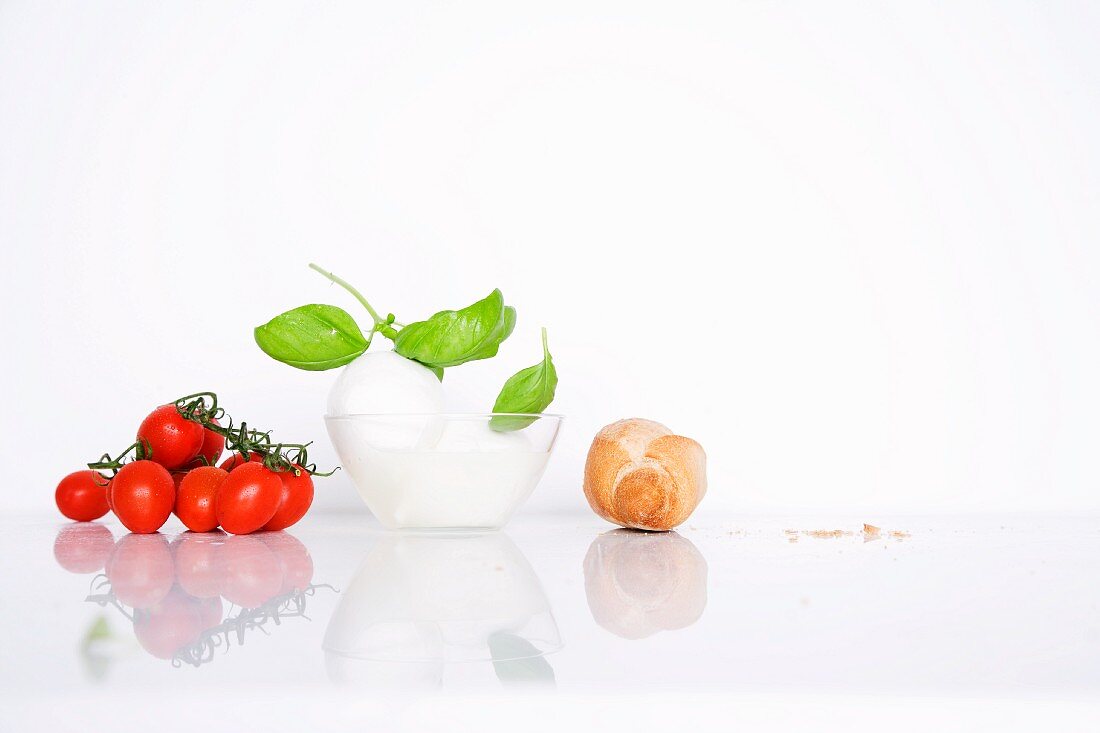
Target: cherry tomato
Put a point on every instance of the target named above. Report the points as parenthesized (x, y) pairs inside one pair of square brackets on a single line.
[(237, 459), (196, 569), (82, 495), (83, 548), (293, 556), (248, 498), (294, 501), (250, 573), (142, 494), (140, 570), (169, 626), (210, 450), (195, 498), (172, 439)]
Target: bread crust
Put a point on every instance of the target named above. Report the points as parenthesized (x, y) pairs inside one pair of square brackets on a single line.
[(640, 474)]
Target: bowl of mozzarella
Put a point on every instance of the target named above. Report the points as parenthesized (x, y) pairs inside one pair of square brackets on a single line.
[(418, 467)]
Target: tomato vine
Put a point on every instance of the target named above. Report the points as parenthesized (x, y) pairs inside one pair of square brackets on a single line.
[(203, 408)]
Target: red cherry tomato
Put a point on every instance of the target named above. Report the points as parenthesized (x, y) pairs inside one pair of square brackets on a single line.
[(142, 494), (294, 558), (172, 439), (196, 569), (248, 498), (83, 548), (297, 495), (82, 495), (210, 450), (140, 570), (237, 459), (172, 624), (195, 498), (250, 573)]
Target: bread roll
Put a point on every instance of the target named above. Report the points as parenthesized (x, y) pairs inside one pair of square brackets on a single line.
[(640, 475)]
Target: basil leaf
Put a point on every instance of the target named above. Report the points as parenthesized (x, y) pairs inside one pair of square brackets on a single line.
[(529, 390), (450, 338), (313, 337), (517, 661), (508, 325), (509, 322)]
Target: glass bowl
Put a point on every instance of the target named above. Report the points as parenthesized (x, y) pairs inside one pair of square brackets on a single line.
[(444, 472)]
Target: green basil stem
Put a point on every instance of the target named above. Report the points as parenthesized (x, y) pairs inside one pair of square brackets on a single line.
[(378, 320)]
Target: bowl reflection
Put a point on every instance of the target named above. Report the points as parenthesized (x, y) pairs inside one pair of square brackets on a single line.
[(196, 594), (639, 583), (419, 603)]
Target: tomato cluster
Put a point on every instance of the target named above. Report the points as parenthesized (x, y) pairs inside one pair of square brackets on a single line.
[(175, 472)]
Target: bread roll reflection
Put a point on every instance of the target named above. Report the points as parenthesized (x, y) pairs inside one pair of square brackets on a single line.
[(640, 584), (640, 475)]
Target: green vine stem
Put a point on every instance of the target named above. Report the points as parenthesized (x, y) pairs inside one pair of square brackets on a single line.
[(140, 449), (276, 456), (378, 320), (384, 326), (202, 407)]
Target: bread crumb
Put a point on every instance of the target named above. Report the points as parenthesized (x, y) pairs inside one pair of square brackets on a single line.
[(870, 532), (826, 533)]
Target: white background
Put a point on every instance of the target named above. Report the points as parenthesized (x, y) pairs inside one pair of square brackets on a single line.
[(849, 247)]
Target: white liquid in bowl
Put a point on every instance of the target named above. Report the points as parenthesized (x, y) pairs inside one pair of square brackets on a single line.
[(432, 472)]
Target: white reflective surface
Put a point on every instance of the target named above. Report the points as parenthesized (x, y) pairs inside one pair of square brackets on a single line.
[(340, 622)]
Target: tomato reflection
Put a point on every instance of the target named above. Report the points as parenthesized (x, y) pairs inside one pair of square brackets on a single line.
[(249, 573), (196, 570), (293, 557), (140, 570), (83, 547), (176, 593), (175, 622)]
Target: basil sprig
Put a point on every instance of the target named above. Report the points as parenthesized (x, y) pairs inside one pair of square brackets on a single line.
[(318, 337), (529, 390)]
